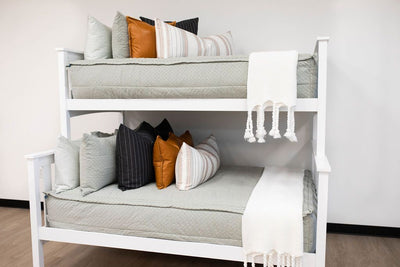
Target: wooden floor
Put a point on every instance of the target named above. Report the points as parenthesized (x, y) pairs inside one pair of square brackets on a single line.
[(15, 250)]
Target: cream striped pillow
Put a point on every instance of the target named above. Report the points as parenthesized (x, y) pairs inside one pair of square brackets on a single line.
[(174, 42), (196, 165)]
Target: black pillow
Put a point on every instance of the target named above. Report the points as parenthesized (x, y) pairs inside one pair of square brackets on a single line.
[(163, 129), (146, 129), (134, 157), (190, 25)]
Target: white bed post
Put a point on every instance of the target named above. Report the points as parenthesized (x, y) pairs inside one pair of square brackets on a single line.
[(39, 164), (65, 56), (322, 167), (35, 212)]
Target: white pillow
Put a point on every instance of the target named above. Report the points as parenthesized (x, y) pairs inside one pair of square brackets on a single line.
[(66, 158), (98, 42), (196, 165), (174, 42), (97, 162)]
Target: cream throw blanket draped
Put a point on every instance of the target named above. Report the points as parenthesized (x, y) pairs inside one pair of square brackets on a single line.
[(271, 82), (272, 223)]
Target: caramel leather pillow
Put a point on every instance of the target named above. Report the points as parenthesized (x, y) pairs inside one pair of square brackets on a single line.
[(164, 157), (142, 38)]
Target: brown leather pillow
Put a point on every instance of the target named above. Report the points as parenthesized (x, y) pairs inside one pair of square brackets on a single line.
[(164, 157), (142, 38)]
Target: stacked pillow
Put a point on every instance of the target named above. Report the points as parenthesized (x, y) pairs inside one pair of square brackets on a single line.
[(146, 38), (165, 153), (134, 153), (134, 158), (89, 162)]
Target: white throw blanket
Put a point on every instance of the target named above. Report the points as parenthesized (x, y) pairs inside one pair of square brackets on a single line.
[(271, 82), (272, 223)]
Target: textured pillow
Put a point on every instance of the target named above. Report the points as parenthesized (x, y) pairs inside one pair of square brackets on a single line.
[(190, 25), (98, 42), (142, 38), (97, 162), (134, 154), (120, 38), (164, 157), (196, 165), (174, 42), (66, 160)]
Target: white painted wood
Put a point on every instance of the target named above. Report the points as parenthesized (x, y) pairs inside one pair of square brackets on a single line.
[(322, 178), (303, 105), (35, 211), (65, 56), (321, 164), (322, 59), (193, 249), (41, 155)]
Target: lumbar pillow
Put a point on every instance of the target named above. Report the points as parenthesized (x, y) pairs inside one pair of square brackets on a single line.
[(174, 42), (66, 160), (120, 38), (164, 157), (196, 165), (134, 154), (97, 162), (142, 38), (98, 43), (190, 25)]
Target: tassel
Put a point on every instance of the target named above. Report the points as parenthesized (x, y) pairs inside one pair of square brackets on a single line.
[(253, 264), (290, 126), (293, 261), (265, 260), (278, 260), (248, 134), (274, 132), (260, 132), (270, 264)]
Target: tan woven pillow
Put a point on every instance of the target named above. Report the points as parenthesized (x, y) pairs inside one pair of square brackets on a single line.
[(164, 157)]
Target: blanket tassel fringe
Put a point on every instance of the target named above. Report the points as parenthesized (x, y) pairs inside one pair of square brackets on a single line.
[(281, 260), (274, 132)]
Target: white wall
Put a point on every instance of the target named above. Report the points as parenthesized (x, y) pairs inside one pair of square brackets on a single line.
[(363, 92)]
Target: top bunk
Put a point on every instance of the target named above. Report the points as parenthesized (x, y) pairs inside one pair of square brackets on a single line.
[(176, 84)]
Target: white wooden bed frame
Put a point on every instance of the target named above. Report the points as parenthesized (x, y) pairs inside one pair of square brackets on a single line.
[(39, 166)]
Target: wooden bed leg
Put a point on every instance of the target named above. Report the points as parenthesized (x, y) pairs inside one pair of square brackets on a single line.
[(35, 211)]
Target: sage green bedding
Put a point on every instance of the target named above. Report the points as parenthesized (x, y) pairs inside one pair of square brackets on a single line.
[(211, 212), (185, 77)]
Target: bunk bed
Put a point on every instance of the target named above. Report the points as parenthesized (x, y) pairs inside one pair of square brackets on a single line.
[(85, 101)]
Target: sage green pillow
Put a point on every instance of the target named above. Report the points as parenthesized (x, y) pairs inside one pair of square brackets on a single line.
[(120, 37), (97, 162), (66, 159), (98, 41)]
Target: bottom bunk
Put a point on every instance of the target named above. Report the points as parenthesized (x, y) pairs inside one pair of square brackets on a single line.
[(211, 213)]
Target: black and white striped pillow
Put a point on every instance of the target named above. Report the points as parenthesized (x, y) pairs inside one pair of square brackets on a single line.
[(134, 157)]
